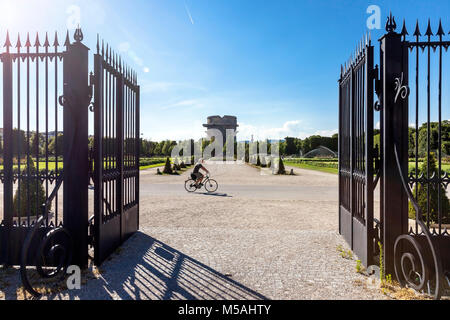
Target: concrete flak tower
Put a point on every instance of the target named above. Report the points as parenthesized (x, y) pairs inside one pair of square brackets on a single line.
[(222, 124)]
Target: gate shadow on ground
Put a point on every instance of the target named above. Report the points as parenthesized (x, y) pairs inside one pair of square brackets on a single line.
[(215, 194), (146, 268)]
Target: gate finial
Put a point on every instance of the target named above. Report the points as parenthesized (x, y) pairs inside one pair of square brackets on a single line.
[(78, 36), (441, 31), (391, 25), (7, 42)]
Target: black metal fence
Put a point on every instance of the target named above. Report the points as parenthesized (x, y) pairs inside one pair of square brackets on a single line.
[(46, 161), (116, 152), (414, 207), (356, 152)]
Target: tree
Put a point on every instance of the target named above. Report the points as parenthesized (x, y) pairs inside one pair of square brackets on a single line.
[(167, 167), (290, 146), (56, 145), (281, 168), (31, 196), (421, 194), (19, 145)]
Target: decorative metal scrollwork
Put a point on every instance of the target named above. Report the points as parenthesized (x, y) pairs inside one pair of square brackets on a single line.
[(409, 271), (78, 36), (57, 244), (402, 91), (55, 249)]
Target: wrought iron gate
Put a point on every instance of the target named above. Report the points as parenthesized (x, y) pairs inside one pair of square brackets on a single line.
[(116, 156), (356, 153), (46, 168), (413, 232)]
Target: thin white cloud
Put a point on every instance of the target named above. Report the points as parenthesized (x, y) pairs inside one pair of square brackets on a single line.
[(188, 13), (162, 86), (293, 128), (189, 103)]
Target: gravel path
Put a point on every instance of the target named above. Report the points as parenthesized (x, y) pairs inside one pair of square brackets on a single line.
[(259, 237)]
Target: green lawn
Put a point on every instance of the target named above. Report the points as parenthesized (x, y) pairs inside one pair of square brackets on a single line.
[(412, 166), (152, 166), (311, 167)]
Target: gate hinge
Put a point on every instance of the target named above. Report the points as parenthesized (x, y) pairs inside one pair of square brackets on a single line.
[(91, 91), (378, 87)]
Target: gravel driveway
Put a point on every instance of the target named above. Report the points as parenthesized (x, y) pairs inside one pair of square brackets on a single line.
[(259, 237)]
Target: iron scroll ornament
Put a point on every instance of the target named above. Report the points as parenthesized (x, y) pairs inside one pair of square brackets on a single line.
[(401, 90), (51, 246), (412, 277)]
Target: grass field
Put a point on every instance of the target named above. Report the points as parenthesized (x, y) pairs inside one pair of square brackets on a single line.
[(309, 166), (330, 166)]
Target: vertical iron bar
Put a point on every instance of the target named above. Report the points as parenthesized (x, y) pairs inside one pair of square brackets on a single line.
[(138, 152), (395, 200), (120, 149), (19, 142), (76, 167), (98, 154), (440, 138), (417, 126), (7, 152), (428, 130)]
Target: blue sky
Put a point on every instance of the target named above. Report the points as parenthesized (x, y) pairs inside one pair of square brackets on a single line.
[(273, 64)]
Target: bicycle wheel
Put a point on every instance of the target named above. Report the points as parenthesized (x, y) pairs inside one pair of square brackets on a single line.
[(189, 185), (211, 185)]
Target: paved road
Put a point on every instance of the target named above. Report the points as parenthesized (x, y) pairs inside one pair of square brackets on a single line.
[(259, 237)]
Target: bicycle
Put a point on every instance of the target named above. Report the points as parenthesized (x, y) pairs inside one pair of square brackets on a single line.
[(209, 184)]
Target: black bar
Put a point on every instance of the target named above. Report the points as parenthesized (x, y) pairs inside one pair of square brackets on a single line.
[(7, 152), (138, 146), (76, 167), (98, 152), (119, 195), (395, 132)]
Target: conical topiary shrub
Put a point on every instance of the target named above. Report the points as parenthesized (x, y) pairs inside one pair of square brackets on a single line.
[(182, 165), (168, 167), (258, 161), (281, 168), (31, 196), (421, 194)]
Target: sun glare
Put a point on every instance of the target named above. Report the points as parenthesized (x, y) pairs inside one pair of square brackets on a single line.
[(8, 14)]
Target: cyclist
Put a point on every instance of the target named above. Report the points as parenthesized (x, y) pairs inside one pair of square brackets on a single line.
[(196, 175)]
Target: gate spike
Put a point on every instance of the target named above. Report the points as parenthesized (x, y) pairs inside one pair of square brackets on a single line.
[(37, 44), (56, 42), (107, 52), (18, 44), (120, 64), (404, 32), (46, 43), (391, 25), (440, 29), (67, 42), (429, 32), (7, 42), (103, 48), (417, 31), (28, 43), (98, 44), (110, 54)]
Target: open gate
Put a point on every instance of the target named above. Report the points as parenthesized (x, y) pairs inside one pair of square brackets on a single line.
[(46, 160), (116, 153), (356, 153), (414, 209)]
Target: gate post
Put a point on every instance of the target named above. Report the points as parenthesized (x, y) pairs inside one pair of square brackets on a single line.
[(76, 167), (119, 145), (394, 200), (7, 154)]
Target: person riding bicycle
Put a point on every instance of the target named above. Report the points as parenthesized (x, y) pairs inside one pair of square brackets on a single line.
[(196, 175)]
